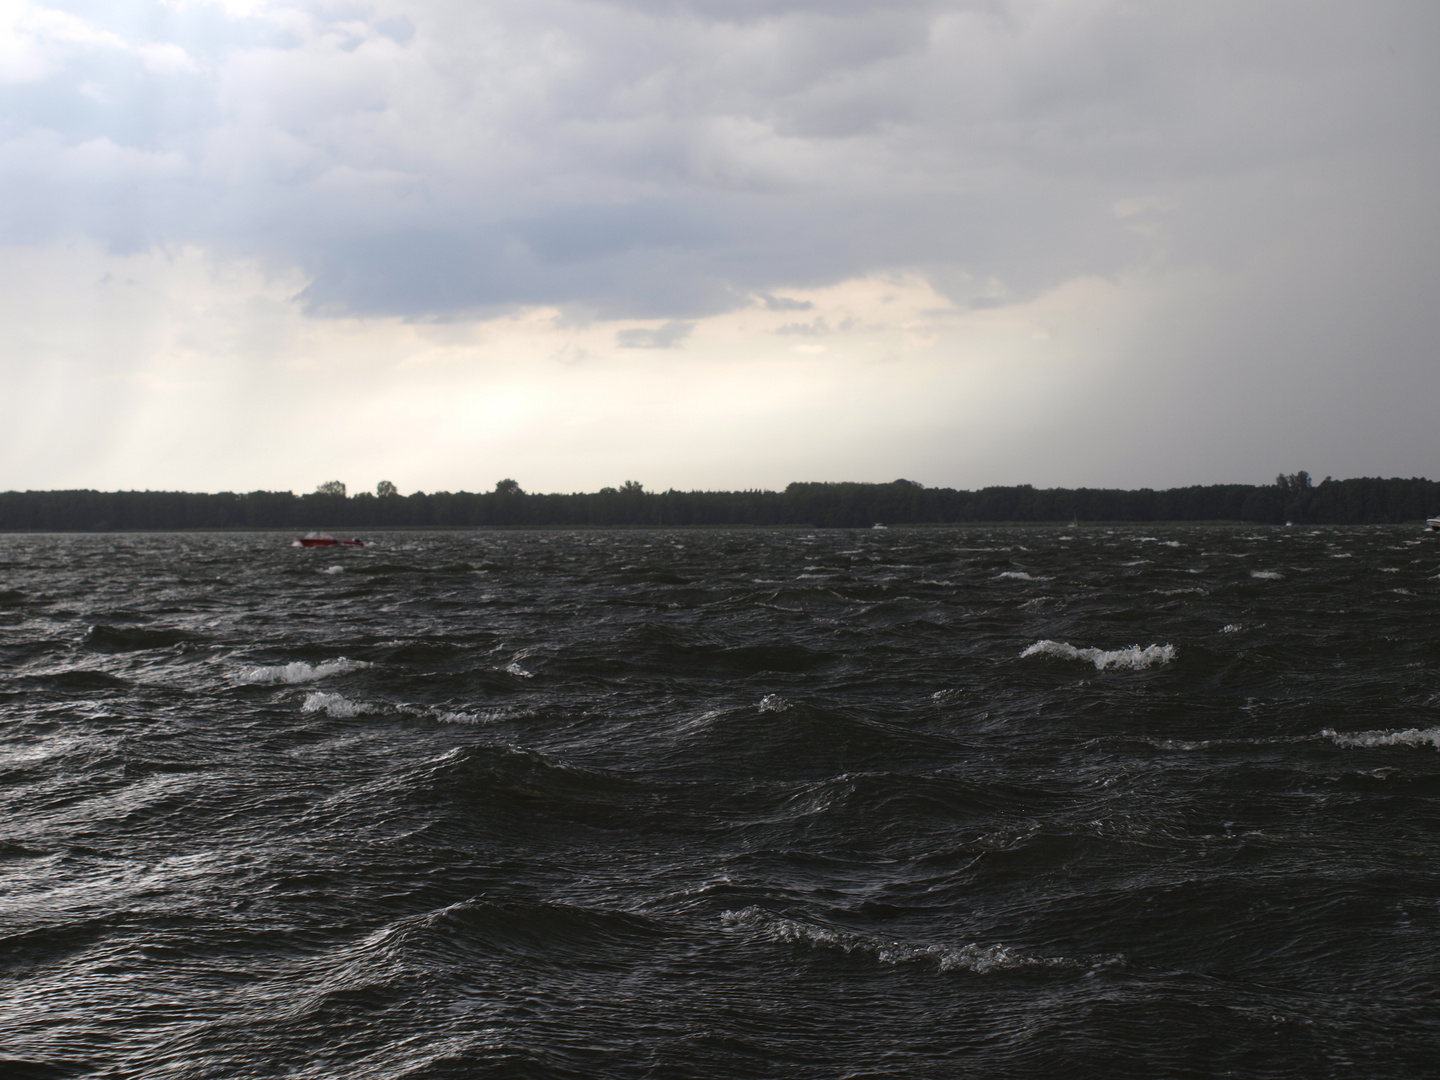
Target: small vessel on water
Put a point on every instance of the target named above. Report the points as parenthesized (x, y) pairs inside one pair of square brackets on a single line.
[(1432, 524), (317, 539)]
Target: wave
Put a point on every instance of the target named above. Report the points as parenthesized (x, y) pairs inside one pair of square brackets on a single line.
[(1135, 658), (1409, 737), (114, 639), (76, 679), (527, 790), (336, 705), (299, 671), (532, 932), (975, 958), (1266, 575), (343, 708)]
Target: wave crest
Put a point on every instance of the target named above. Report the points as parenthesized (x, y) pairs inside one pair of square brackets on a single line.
[(299, 671), (1135, 658), (336, 705), (1409, 737), (976, 958)]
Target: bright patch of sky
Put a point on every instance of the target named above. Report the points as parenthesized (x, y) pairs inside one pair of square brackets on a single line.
[(716, 244)]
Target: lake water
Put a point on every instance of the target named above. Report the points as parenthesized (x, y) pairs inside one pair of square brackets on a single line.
[(1149, 802)]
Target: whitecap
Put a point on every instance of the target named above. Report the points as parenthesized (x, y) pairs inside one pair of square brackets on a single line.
[(460, 718), (1019, 575), (1409, 737), (335, 568), (442, 715), (334, 704), (514, 668), (1134, 657), (1266, 575), (773, 703), (974, 957), (1185, 744), (299, 671), (1231, 628)]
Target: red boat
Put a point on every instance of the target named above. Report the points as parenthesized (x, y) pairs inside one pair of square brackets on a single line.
[(326, 540)]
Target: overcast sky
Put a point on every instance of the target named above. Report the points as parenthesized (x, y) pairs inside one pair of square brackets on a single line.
[(717, 243)]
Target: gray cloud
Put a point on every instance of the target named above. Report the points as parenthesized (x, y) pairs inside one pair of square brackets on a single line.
[(784, 303), (818, 328), (664, 337), (672, 159)]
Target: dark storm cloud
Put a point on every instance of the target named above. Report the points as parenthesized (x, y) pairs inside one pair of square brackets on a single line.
[(675, 158)]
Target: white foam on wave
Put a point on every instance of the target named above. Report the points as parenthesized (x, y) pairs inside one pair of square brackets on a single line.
[(773, 703), (299, 671), (335, 705), (1019, 575), (976, 958), (444, 716), (1231, 628), (1266, 575), (334, 568), (1135, 658), (1415, 737)]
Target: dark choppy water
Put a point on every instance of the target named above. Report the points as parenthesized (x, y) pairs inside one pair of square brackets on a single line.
[(919, 803)]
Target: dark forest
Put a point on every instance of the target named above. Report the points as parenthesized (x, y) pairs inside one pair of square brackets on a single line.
[(1292, 498)]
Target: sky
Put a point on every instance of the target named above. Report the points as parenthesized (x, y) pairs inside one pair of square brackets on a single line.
[(716, 244)]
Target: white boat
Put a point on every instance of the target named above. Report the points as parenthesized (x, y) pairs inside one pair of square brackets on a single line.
[(1433, 524)]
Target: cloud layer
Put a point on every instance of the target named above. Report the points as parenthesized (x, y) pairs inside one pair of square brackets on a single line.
[(651, 159), (1208, 230)]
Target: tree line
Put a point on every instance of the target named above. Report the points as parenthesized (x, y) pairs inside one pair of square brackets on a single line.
[(1292, 498)]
